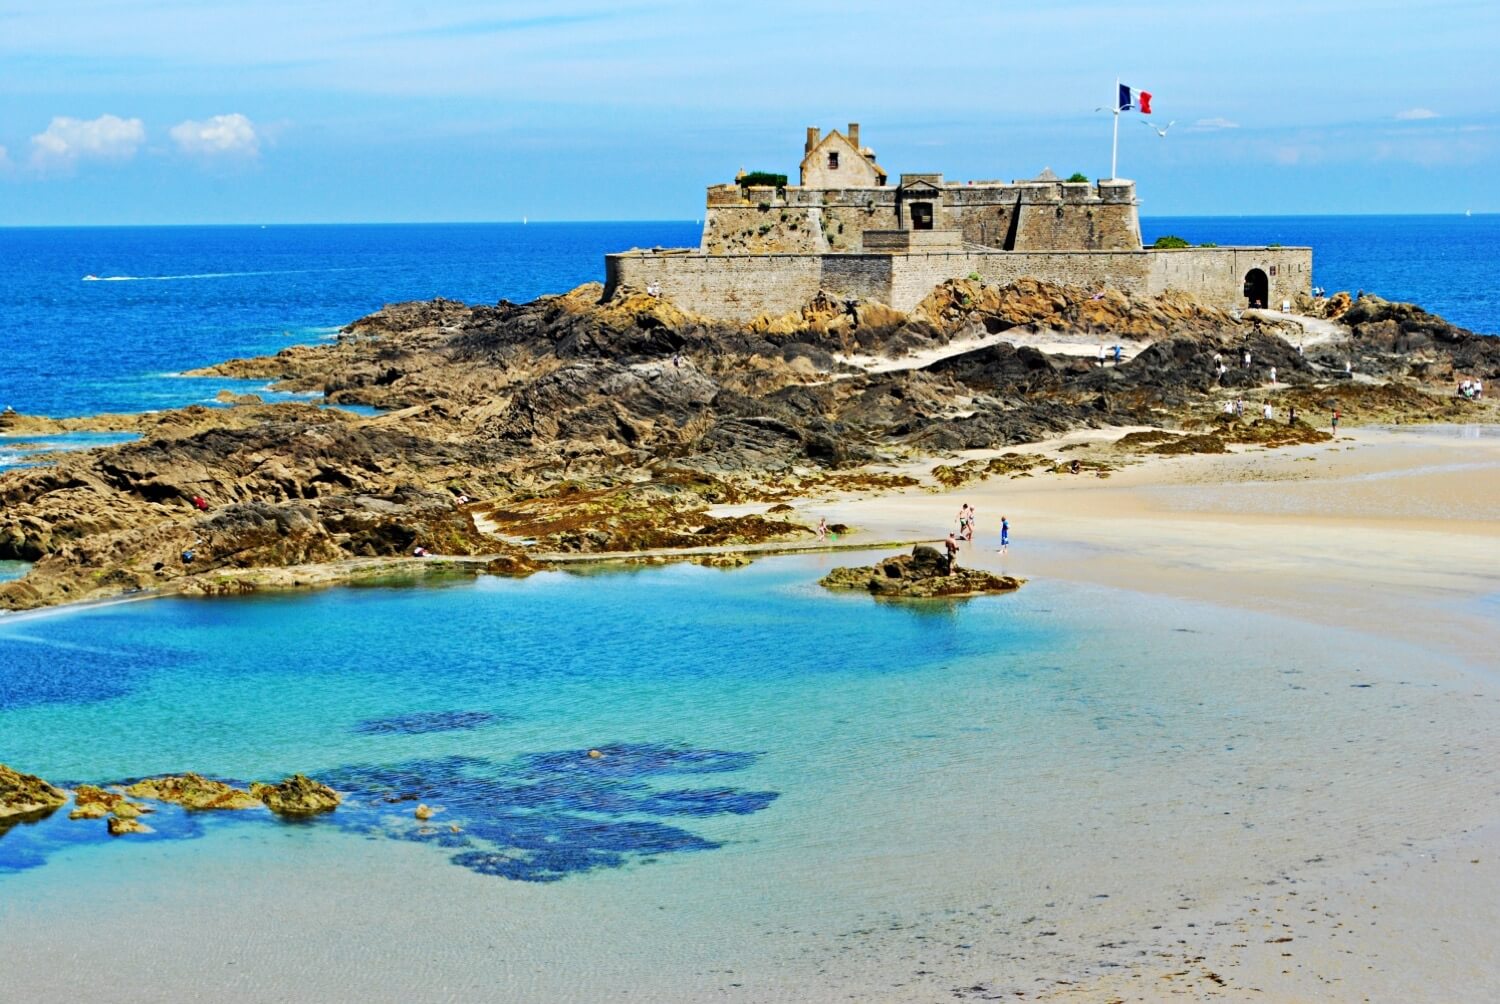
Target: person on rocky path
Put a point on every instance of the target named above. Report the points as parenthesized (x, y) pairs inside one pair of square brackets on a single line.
[(1247, 359), (1273, 374), (1335, 420), (1101, 357)]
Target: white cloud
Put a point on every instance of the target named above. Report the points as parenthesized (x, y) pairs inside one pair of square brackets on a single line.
[(1208, 125), (230, 135), (1416, 114), (69, 140)]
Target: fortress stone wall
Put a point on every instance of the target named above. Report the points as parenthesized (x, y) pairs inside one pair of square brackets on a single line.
[(743, 286), (769, 249), (1006, 216)]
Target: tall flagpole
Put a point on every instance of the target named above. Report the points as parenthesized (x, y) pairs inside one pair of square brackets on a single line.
[(1114, 147)]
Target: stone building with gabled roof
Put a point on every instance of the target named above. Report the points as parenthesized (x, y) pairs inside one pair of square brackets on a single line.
[(838, 161)]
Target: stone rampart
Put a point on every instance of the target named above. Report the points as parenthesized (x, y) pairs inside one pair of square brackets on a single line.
[(742, 286)]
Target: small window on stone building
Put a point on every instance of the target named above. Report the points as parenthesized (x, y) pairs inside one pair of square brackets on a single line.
[(833, 160)]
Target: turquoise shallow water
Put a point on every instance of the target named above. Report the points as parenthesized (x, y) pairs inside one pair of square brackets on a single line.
[(696, 685), (797, 785)]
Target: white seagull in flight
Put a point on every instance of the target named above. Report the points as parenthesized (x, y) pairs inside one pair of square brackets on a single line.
[(1162, 132)]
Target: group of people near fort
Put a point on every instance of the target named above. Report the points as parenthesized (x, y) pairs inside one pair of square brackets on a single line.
[(1471, 389), (965, 533)]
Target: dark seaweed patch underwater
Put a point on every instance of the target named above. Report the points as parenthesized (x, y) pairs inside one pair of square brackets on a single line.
[(537, 818), (422, 722)]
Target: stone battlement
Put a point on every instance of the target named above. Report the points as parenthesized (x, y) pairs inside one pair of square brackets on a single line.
[(741, 287)]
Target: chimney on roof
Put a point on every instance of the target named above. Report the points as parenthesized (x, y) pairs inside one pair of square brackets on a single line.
[(812, 139), (854, 135)]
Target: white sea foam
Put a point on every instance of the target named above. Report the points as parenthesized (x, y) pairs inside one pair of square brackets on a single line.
[(211, 275)]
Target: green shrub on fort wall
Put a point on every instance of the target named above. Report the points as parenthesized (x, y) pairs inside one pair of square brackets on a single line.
[(1170, 241), (763, 178), (974, 277), (1078, 176), (1208, 244)]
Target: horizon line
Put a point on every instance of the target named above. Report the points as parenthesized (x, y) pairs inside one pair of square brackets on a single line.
[(683, 220)]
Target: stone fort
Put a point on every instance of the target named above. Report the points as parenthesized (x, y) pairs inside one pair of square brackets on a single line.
[(769, 248)]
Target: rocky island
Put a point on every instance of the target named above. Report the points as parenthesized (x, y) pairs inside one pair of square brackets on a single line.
[(922, 574), (514, 435)]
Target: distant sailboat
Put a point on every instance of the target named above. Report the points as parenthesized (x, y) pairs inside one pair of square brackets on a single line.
[(523, 221), (1468, 212)]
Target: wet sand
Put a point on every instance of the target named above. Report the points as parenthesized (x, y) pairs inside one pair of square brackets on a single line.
[(1394, 533)]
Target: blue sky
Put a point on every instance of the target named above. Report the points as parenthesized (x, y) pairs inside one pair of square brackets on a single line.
[(187, 111)]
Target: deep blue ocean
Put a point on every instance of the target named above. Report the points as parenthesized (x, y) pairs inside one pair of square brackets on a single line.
[(174, 298)]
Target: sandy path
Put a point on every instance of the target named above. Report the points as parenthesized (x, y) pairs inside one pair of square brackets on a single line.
[(1050, 342)]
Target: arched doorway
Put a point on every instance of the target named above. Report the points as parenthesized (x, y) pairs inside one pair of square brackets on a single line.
[(1257, 288)]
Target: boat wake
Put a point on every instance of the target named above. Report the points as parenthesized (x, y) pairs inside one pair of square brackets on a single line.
[(209, 275)]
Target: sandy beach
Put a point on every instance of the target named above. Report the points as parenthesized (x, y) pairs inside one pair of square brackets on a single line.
[(1389, 532)]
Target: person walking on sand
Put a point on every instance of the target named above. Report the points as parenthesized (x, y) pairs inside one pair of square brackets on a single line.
[(966, 514), (822, 528), (1004, 534)]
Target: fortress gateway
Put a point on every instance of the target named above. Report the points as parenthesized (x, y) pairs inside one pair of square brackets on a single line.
[(769, 249)]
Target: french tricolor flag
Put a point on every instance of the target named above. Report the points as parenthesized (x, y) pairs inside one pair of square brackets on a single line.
[(1131, 98)]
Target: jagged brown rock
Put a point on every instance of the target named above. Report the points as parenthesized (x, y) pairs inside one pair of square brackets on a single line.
[(26, 796), (298, 795), (922, 574), (193, 791)]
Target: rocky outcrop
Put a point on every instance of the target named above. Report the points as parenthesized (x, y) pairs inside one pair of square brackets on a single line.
[(574, 425), (193, 791), (119, 827), (90, 802), (298, 795), (922, 574), (26, 796)]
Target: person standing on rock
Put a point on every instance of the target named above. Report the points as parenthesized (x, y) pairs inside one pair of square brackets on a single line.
[(1101, 357), (951, 546), (1247, 359), (822, 528), (1291, 415), (1335, 420)]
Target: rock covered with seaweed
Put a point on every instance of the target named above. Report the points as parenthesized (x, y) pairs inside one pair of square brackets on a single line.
[(922, 574)]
